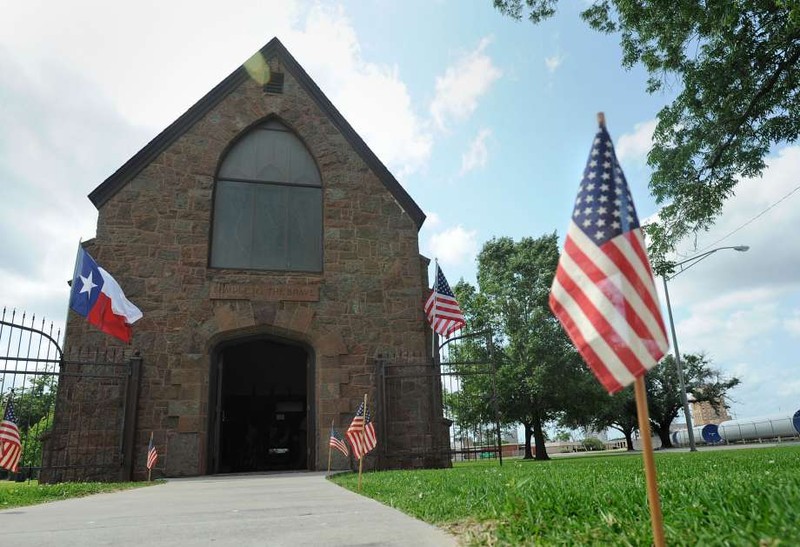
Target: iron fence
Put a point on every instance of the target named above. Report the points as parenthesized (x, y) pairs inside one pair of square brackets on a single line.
[(75, 410)]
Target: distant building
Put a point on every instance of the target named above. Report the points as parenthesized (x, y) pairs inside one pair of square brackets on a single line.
[(703, 412)]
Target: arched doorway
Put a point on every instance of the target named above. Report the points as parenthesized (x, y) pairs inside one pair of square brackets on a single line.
[(261, 399)]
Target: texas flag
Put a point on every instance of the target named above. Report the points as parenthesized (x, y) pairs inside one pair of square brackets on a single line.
[(99, 298)]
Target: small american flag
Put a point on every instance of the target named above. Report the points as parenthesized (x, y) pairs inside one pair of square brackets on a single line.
[(370, 439), (361, 433), (10, 445), (603, 292), (442, 309), (152, 454), (337, 442)]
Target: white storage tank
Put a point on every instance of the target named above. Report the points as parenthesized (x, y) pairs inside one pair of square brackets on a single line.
[(764, 427), (703, 434)]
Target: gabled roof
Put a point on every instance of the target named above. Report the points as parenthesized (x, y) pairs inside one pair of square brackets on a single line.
[(274, 48)]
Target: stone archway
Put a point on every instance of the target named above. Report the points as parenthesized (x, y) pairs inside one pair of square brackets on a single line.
[(261, 406)]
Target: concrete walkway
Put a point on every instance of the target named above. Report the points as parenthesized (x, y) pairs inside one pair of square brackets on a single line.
[(280, 509)]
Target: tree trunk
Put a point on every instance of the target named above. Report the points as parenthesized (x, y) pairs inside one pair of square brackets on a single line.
[(663, 434), (629, 439), (538, 435), (528, 432)]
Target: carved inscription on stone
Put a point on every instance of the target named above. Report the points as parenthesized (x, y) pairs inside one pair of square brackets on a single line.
[(239, 291)]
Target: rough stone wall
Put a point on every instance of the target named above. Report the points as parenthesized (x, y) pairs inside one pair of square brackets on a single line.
[(153, 236)]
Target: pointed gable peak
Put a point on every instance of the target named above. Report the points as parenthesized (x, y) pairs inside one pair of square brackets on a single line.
[(257, 68)]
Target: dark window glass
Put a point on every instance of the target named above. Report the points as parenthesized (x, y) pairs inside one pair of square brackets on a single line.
[(268, 204)]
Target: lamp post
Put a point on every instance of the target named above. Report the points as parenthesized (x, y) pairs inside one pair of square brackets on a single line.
[(685, 265)]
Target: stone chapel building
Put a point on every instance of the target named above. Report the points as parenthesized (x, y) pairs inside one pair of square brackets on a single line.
[(275, 260)]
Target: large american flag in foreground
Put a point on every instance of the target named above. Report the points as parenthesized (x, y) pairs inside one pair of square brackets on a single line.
[(361, 433), (10, 446), (442, 309), (603, 292)]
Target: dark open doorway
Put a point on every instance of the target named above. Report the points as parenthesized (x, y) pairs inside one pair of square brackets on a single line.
[(262, 400)]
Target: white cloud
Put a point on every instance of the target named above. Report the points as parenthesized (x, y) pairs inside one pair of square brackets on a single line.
[(766, 264), (432, 220), (792, 324), (791, 388), (635, 146), (477, 154), (189, 46), (454, 246), (552, 63), (727, 328), (458, 90), (743, 307), (371, 96), (152, 81)]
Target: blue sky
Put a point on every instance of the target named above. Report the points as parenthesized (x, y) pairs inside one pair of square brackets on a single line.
[(487, 123)]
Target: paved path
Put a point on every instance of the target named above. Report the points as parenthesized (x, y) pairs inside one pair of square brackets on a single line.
[(282, 509)]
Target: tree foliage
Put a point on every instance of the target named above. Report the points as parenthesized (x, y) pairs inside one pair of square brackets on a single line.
[(33, 402), (737, 68), (618, 412), (539, 373), (702, 381)]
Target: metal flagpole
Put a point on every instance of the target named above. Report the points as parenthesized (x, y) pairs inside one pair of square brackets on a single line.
[(361, 457), (75, 271), (656, 520), (434, 336)]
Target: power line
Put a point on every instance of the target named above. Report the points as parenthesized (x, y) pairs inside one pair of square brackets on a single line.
[(762, 213)]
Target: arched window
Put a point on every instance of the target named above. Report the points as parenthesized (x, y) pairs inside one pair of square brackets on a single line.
[(268, 204)]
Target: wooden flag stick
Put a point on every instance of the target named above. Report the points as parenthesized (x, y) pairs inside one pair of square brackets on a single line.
[(656, 521), (330, 449), (361, 458)]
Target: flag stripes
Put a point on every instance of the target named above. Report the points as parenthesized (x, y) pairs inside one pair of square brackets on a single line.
[(603, 291), (629, 293), (370, 439), (10, 443), (361, 433), (442, 309), (338, 443), (152, 454)]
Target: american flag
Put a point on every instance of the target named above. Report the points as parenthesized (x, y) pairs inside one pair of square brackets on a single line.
[(361, 433), (10, 445), (442, 309), (603, 292), (370, 439), (152, 454), (337, 442)]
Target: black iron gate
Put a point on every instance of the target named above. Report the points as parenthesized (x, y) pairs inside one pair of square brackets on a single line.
[(453, 398), (75, 411), (470, 396)]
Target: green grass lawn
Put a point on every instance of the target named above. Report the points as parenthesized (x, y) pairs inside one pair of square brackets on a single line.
[(17, 494), (721, 497)]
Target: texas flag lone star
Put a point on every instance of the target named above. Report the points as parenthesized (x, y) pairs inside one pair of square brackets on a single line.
[(98, 297)]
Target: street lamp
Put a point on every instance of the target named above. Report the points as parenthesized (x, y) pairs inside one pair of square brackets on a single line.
[(683, 266)]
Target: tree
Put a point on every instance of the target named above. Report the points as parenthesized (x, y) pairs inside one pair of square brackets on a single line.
[(34, 402), (539, 373), (618, 412), (663, 392), (737, 66)]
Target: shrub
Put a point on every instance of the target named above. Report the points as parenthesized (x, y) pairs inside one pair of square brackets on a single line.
[(593, 443)]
